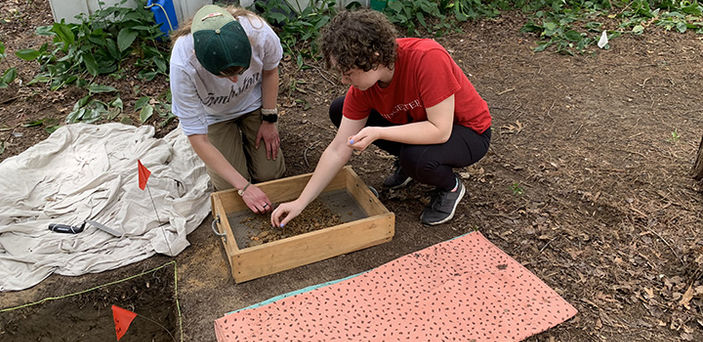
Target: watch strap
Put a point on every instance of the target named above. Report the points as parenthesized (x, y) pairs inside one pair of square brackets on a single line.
[(241, 191), (269, 117)]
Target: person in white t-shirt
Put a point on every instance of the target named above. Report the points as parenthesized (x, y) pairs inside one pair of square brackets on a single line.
[(224, 86)]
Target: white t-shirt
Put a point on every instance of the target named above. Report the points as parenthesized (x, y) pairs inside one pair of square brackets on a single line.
[(200, 99)]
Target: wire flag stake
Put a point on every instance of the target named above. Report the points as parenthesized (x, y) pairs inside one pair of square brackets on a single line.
[(144, 174)]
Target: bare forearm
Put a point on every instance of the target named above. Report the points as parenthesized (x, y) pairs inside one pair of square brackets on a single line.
[(269, 88), (332, 160), (214, 159), (416, 133)]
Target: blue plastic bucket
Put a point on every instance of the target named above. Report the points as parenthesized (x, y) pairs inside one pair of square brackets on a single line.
[(164, 15)]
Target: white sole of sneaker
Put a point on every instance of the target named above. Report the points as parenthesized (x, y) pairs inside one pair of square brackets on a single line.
[(451, 215)]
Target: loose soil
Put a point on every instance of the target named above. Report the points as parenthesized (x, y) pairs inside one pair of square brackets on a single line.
[(315, 217), (585, 183), (88, 316)]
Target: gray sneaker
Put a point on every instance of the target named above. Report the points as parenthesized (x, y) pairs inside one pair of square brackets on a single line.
[(398, 178), (443, 205)]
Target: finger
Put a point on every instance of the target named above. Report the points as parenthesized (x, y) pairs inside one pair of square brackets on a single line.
[(357, 143), (249, 203), (258, 140), (276, 147), (285, 220), (360, 140), (275, 217), (257, 204), (269, 151)]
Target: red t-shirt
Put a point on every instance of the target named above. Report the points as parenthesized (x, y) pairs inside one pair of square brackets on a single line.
[(424, 76)]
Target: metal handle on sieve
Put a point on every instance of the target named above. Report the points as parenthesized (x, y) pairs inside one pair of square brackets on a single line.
[(215, 221)]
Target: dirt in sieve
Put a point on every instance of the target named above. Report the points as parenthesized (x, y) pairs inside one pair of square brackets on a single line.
[(316, 216)]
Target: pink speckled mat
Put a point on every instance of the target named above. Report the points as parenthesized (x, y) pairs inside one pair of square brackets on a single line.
[(465, 289)]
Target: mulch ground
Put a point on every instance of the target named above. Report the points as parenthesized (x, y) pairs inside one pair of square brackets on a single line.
[(587, 182)]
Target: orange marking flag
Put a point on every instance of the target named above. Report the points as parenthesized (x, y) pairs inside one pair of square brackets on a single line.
[(464, 289), (143, 174), (123, 318)]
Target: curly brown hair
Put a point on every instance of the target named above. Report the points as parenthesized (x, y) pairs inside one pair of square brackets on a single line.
[(360, 39)]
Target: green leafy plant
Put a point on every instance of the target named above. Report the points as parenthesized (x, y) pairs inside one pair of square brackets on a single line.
[(517, 189), (99, 45), (566, 25), (145, 109), (163, 109), (674, 136), (49, 124), (410, 13), (556, 28), (161, 106), (298, 31), (464, 10), (89, 109), (689, 18), (9, 75)]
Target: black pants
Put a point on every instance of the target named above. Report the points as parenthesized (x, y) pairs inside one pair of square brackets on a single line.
[(428, 164)]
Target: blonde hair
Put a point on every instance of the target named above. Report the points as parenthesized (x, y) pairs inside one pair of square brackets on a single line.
[(236, 12)]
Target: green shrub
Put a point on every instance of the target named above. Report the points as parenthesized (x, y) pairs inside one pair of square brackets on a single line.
[(8, 75), (99, 45), (298, 31)]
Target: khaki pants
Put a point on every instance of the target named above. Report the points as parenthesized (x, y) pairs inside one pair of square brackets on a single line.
[(236, 140)]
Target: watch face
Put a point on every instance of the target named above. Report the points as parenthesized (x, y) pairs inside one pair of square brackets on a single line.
[(270, 117)]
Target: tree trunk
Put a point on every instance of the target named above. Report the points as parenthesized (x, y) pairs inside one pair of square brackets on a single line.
[(697, 171)]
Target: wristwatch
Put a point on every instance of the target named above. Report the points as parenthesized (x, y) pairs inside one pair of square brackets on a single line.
[(241, 191), (269, 115)]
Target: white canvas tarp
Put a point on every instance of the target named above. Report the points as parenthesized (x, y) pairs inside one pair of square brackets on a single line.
[(89, 172)]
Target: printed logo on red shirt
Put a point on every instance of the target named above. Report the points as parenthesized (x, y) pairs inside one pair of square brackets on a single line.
[(403, 107)]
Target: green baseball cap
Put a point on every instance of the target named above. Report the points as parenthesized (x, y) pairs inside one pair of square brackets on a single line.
[(219, 40)]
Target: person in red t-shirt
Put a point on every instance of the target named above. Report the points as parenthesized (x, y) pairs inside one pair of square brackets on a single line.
[(408, 97)]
